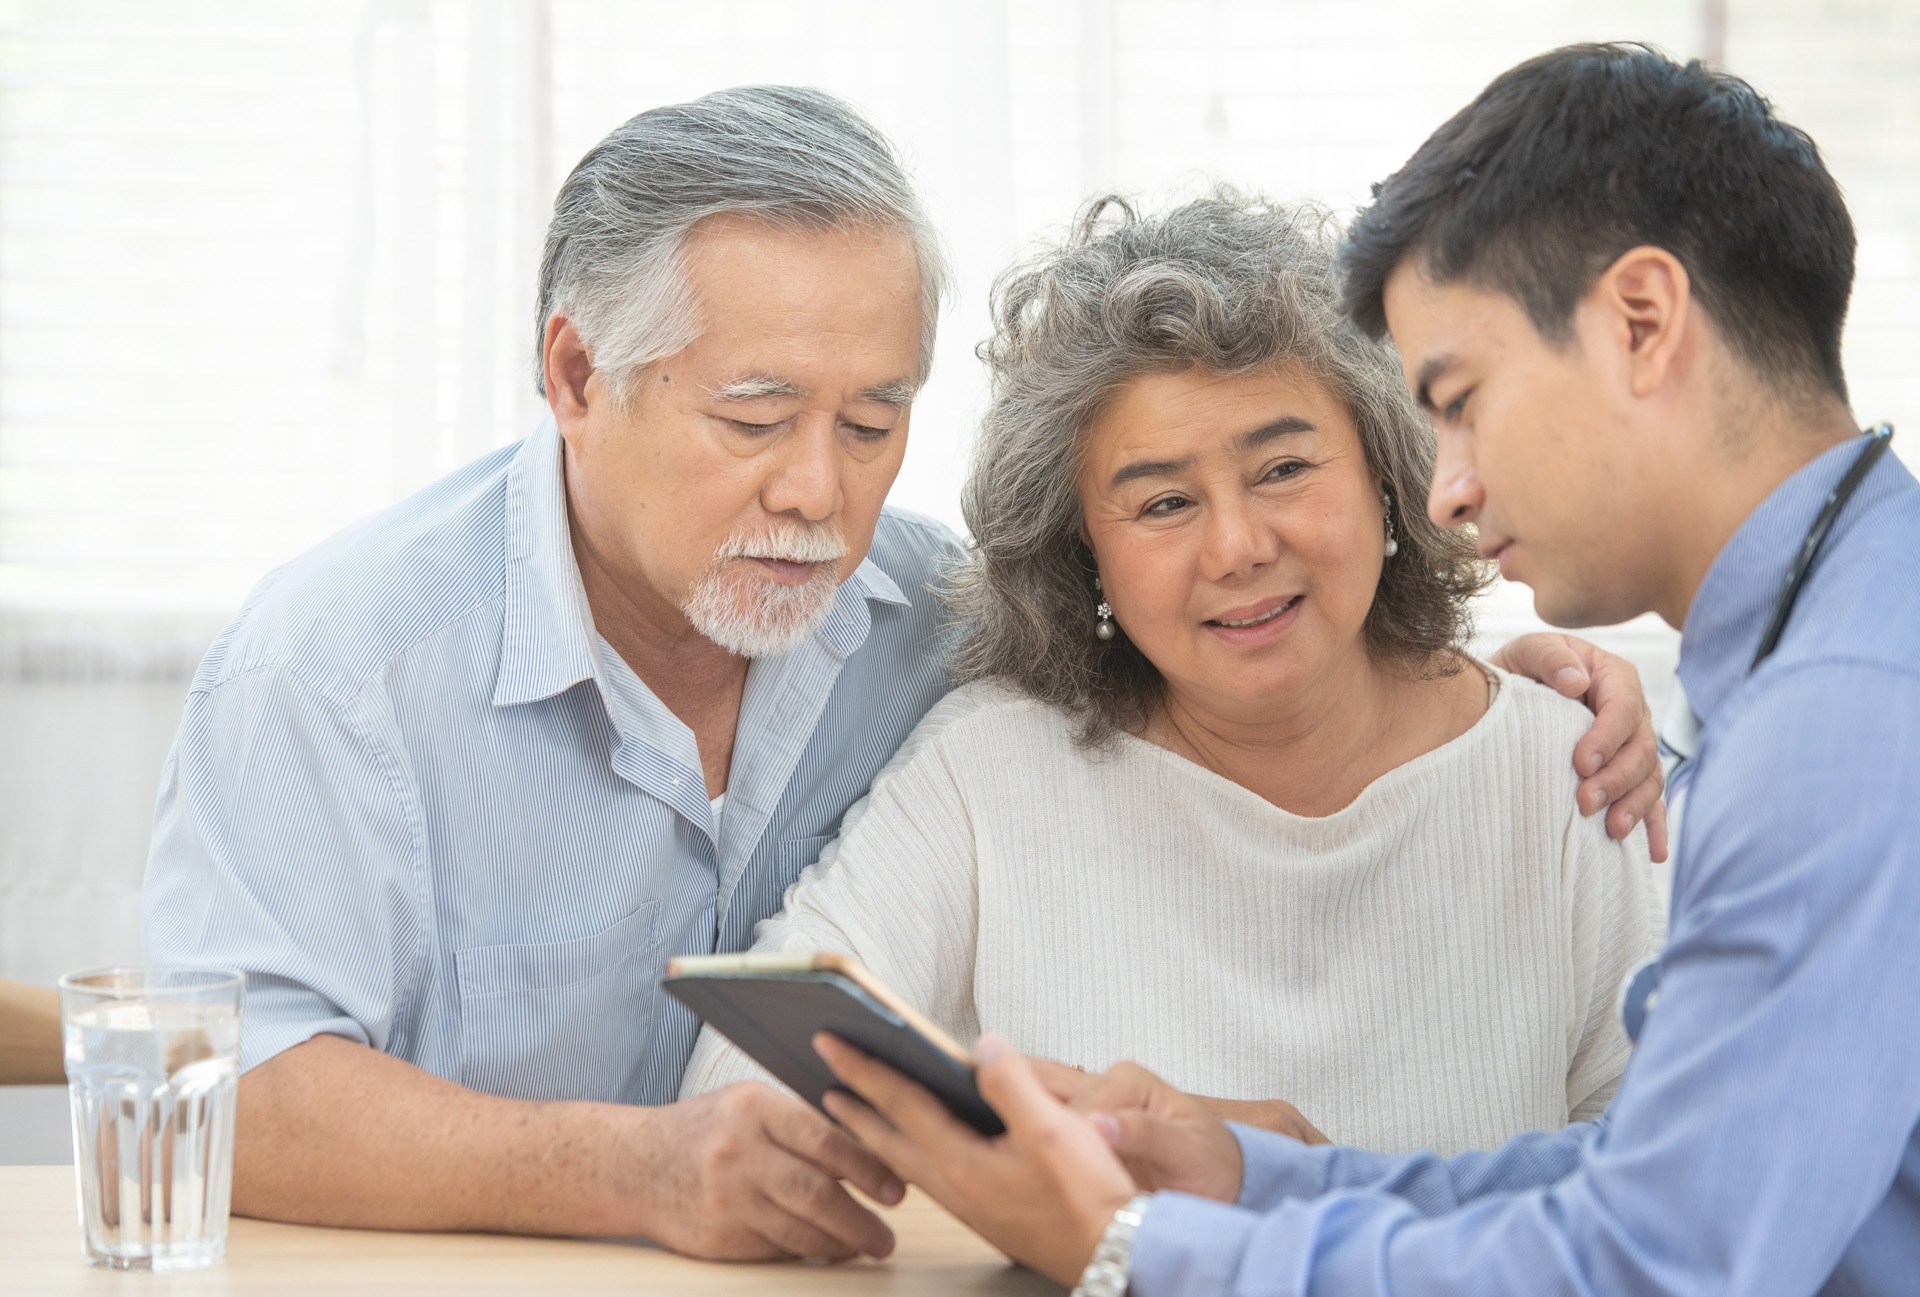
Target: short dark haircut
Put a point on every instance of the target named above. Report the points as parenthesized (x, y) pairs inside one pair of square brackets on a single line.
[(1570, 159)]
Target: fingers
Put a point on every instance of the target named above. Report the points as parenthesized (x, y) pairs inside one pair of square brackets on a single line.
[(1554, 660), (901, 1154), (816, 1217), (1124, 1085), (1631, 782), (1198, 1158), (1135, 1135), (909, 1106), (1657, 833), (786, 1235), (1063, 1082), (806, 1134), (1008, 1083)]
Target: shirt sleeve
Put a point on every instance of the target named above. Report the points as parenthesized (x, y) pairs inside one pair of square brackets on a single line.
[(1617, 921), (896, 890), (283, 846), (1771, 1099), (1277, 1168)]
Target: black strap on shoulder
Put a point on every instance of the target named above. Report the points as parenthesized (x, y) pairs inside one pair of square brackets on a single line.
[(1877, 442)]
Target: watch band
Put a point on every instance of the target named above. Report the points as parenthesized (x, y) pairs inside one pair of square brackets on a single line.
[(1106, 1273)]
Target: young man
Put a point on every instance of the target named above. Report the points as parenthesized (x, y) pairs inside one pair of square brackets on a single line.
[(1619, 285)]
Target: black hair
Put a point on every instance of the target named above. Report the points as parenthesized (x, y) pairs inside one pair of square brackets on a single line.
[(1573, 157)]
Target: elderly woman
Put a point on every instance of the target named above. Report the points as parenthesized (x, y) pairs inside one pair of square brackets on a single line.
[(1225, 795)]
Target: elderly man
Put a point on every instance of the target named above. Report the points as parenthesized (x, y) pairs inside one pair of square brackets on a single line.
[(454, 786)]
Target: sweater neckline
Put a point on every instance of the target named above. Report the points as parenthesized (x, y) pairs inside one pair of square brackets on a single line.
[(1406, 772)]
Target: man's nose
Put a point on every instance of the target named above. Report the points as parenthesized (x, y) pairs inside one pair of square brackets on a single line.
[(806, 480), (1457, 494)]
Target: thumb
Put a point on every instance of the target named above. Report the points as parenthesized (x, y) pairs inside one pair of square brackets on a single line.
[(1140, 1141), (1131, 1133), (1548, 658), (1008, 1083)]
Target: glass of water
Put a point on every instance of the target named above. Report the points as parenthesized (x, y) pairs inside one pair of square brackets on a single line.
[(153, 1065)]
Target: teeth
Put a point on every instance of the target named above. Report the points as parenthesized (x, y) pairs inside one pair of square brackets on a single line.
[(1261, 620)]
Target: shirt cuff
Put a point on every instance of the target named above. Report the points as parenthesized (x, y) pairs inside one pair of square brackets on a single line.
[(1275, 1168), (1188, 1247)]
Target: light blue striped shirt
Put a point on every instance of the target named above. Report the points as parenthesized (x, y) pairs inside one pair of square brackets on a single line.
[(425, 807), (1765, 1139)]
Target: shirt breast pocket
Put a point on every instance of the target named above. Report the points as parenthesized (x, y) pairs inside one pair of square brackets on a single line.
[(561, 1020), (795, 855)]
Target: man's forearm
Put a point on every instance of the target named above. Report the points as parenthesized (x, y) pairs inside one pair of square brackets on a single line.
[(1278, 1168), (333, 1133)]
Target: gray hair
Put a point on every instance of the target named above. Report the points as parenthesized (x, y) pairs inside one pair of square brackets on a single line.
[(788, 154), (1229, 284)]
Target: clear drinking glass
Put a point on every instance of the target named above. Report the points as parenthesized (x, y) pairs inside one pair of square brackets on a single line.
[(153, 1065)]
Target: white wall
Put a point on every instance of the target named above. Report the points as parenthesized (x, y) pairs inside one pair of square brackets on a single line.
[(266, 264)]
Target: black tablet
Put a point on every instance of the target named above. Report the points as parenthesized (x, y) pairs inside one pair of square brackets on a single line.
[(772, 1005)]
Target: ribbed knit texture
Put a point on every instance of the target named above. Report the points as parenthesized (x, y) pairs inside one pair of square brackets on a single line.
[(1434, 966)]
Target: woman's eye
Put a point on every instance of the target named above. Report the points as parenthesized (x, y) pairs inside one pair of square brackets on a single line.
[(1285, 469), (867, 433), (1455, 408), (754, 429), (1166, 505)]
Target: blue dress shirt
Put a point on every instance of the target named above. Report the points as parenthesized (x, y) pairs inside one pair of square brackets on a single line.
[(424, 807), (1763, 1140)]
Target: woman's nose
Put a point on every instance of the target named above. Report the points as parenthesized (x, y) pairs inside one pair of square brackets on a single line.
[(1457, 493), (1237, 541)]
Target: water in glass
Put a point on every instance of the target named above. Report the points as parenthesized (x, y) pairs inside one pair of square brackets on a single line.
[(153, 1083)]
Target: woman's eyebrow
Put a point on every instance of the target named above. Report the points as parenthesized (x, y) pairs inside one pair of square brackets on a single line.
[(1266, 432), (1149, 468)]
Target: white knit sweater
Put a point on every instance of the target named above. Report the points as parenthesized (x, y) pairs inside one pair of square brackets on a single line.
[(1435, 966)]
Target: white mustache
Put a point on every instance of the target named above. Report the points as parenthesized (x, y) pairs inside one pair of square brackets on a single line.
[(794, 543)]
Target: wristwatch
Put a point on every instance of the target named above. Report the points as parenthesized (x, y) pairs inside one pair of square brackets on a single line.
[(1106, 1273)]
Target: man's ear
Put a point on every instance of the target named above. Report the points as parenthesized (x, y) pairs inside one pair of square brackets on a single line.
[(1647, 298), (566, 366)]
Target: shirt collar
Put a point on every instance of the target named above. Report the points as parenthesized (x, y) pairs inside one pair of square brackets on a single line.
[(546, 644), (547, 640), (1732, 606)]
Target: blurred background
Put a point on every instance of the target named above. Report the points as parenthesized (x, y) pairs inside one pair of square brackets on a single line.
[(267, 265)]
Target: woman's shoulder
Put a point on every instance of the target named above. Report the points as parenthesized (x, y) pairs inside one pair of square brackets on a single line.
[(1522, 747), (1536, 714), (986, 720)]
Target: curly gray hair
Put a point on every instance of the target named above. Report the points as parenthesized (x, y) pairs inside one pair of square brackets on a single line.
[(1230, 284)]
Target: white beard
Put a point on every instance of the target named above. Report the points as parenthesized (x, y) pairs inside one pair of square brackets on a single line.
[(747, 612)]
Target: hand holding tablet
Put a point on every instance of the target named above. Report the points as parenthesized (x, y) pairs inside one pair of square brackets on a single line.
[(772, 1005)]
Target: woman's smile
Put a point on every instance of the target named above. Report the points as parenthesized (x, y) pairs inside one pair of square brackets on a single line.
[(1257, 623)]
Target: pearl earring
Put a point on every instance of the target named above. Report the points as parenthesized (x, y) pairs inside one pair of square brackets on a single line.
[(1103, 628), (1386, 505)]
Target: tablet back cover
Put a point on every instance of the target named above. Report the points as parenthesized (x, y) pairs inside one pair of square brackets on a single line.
[(773, 1017)]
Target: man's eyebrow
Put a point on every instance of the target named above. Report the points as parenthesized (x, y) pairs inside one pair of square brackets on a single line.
[(1149, 468), (754, 387), (1266, 432), (1429, 373), (900, 393)]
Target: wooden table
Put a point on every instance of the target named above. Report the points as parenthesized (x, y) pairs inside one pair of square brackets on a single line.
[(40, 1254)]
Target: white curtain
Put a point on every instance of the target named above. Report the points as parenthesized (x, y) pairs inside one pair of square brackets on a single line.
[(267, 265)]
